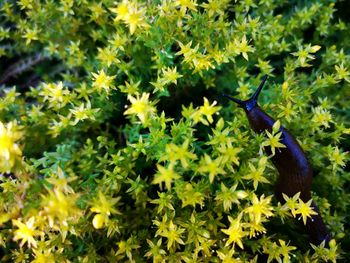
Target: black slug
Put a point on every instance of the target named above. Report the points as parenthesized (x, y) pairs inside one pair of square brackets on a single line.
[(295, 171)]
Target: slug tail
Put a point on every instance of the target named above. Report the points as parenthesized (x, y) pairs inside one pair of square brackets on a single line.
[(317, 229)]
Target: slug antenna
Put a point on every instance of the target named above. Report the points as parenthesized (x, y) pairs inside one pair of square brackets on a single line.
[(252, 102), (257, 92), (239, 102)]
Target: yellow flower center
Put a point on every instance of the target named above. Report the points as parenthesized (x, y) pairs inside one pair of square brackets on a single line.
[(139, 107), (5, 142)]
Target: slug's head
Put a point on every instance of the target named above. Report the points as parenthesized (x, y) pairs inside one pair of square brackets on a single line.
[(249, 104)]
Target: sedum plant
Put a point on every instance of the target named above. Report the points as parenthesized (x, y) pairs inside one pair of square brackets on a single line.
[(116, 146)]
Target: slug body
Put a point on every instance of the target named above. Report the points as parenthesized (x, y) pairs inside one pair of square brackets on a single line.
[(295, 171)]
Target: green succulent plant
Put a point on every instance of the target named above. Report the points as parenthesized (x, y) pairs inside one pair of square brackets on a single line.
[(116, 146)]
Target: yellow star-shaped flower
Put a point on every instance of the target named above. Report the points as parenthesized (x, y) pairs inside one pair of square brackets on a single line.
[(273, 140), (234, 232), (305, 210), (26, 232)]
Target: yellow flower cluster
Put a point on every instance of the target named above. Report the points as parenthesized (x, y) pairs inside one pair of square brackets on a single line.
[(26, 232), (132, 14), (274, 138), (9, 149), (322, 117), (141, 107), (299, 207), (103, 82), (103, 207), (203, 114), (56, 94)]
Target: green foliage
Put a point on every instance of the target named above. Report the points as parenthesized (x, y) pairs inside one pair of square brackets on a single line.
[(116, 146)]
